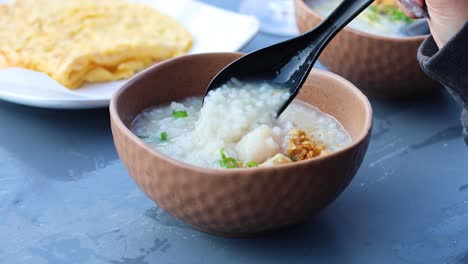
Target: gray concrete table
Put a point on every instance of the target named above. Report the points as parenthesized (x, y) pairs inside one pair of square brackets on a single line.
[(66, 198)]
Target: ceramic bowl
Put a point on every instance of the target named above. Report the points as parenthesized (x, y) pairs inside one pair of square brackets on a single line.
[(382, 67), (237, 202)]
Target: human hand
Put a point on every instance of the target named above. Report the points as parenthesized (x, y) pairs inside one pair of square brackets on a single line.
[(447, 17)]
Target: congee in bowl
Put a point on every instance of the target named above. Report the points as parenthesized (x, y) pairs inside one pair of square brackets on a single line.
[(189, 181), (237, 127), (381, 18)]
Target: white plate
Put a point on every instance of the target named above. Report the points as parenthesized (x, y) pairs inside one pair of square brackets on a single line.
[(213, 29)]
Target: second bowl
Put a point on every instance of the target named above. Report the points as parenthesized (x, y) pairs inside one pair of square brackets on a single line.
[(382, 67)]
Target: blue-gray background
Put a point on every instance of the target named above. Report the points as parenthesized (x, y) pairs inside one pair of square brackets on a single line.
[(66, 198)]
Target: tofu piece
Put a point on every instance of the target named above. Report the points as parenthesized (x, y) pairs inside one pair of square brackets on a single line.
[(276, 160), (258, 145)]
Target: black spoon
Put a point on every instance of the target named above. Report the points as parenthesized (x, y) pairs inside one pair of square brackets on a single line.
[(288, 63)]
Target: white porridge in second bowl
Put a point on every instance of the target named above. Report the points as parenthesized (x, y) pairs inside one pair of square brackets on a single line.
[(237, 127), (382, 18)]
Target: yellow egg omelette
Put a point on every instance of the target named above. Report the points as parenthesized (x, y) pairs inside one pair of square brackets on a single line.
[(77, 41)]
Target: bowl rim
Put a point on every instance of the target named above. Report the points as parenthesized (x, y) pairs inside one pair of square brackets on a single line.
[(116, 119), (310, 11)]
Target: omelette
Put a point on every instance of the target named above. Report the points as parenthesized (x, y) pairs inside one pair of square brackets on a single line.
[(78, 41)]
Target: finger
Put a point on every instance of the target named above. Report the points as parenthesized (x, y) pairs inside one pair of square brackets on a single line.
[(421, 3), (414, 8)]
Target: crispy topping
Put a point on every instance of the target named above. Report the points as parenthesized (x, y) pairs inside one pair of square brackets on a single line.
[(302, 148)]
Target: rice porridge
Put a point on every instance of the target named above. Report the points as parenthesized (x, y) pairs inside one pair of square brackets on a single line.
[(237, 127), (381, 18)]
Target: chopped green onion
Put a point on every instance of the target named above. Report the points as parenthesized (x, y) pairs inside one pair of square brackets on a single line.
[(142, 136), (179, 114), (395, 14), (399, 16), (227, 162), (392, 12), (373, 17), (252, 164), (374, 8), (223, 154), (163, 136)]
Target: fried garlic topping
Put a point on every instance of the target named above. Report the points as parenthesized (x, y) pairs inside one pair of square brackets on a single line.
[(302, 147)]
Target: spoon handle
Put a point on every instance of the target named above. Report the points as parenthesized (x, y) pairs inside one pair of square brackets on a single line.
[(311, 44)]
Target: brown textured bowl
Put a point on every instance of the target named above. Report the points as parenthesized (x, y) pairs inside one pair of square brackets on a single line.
[(382, 67), (242, 201)]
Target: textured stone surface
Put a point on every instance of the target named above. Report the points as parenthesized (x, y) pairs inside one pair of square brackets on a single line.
[(65, 197)]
